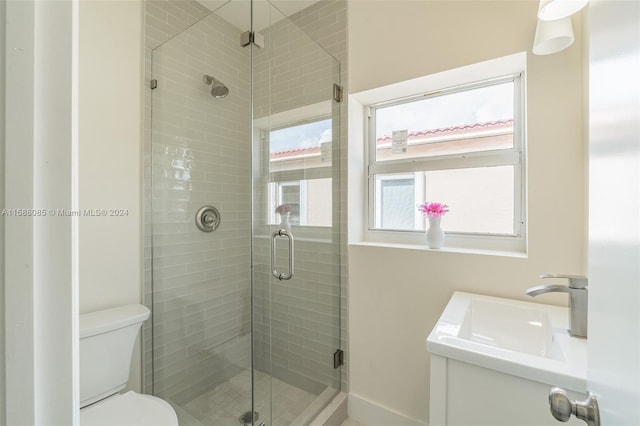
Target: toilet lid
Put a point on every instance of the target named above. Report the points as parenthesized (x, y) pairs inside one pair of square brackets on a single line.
[(129, 409)]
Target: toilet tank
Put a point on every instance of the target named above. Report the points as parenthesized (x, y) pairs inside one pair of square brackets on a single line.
[(107, 339)]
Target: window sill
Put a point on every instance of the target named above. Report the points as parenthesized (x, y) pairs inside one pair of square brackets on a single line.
[(479, 244), (456, 250)]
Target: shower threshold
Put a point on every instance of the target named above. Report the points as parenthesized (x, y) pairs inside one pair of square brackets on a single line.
[(230, 401)]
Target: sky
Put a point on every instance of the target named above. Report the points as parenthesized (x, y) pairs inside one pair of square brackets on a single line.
[(471, 106), (468, 107), (302, 136)]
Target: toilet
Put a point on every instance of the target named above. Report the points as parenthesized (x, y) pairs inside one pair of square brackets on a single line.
[(107, 339)]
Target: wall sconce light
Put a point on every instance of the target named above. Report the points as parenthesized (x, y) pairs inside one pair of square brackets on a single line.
[(551, 10), (554, 31), (553, 36)]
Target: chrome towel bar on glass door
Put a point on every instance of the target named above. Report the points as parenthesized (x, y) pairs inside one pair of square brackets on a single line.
[(276, 234)]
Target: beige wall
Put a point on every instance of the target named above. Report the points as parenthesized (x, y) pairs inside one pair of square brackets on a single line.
[(396, 295), (109, 135), (110, 59)]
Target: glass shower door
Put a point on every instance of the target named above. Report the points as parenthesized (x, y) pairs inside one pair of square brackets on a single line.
[(296, 220), (246, 130), (201, 156)]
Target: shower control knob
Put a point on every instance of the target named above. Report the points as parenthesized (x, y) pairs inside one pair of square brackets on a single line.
[(207, 218)]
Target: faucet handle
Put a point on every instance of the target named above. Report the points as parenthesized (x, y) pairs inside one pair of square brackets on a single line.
[(575, 281)]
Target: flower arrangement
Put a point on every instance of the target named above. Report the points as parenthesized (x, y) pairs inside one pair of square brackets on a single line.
[(433, 209), (283, 208)]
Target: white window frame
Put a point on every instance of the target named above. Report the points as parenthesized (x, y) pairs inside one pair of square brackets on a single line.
[(515, 156)]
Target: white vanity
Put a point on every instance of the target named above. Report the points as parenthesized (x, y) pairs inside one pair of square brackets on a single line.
[(494, 361)]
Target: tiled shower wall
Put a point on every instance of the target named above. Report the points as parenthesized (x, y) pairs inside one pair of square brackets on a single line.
[(200, 156), (202, 283)]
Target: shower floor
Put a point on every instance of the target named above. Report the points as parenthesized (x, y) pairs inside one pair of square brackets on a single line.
[(224, 404)]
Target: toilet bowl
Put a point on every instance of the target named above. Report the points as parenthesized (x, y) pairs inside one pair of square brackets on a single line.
[(107, 339), (129, 409)]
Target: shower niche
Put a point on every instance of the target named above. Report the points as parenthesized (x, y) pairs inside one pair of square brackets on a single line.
[(253, 131)]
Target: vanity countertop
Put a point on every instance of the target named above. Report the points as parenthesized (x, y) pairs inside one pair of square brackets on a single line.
[(524, 339)]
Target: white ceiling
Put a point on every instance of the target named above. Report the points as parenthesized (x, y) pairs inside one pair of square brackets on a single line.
[(237, 12)]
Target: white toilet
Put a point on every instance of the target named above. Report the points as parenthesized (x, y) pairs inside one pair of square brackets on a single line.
[(107, 339)]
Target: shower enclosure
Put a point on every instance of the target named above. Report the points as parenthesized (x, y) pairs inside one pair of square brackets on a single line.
[(242, 217)]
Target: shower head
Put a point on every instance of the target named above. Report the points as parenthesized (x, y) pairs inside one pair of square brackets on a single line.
[(218, 89)]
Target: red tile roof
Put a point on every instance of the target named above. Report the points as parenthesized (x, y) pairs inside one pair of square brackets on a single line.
[(295, 152), (454, 130), (487, 126)]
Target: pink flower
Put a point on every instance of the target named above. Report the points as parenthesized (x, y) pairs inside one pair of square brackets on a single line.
[(433, 209), (283, 208)]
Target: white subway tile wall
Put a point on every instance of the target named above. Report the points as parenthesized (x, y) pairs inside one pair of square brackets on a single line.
[(201, 155), (157, 30)]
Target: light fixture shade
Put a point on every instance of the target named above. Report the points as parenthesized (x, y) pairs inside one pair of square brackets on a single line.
[(553, 36), (551, 10)]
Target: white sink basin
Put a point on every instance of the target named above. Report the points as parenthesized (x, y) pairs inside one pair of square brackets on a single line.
[(505, 325), (525, 339)]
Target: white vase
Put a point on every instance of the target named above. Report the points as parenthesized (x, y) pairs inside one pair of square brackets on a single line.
[(284, 221), (435, 234)]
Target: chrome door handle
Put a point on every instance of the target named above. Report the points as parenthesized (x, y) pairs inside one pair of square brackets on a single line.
[(562, 407), (289, 236)]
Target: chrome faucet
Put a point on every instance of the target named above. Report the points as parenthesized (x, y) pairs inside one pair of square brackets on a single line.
[(577, 290)]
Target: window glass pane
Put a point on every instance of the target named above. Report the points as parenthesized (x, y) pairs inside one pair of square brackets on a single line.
[(318, 204), (290, 194), (457, 122), (294, 150), (396, 195), (309, 202), (480, 200), (303, 146)]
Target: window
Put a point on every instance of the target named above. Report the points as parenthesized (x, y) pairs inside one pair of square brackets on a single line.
[(462, 146), (300, 172)]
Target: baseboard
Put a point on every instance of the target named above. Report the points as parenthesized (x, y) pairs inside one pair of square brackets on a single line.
[(372, 414)]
